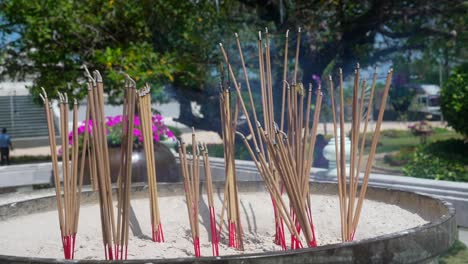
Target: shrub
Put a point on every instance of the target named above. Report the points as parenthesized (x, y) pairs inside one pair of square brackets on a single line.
[(441, 160), (395, 133), (400, 158), (454, 101)]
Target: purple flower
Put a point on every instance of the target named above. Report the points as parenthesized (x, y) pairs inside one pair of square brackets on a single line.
[(317, 79)]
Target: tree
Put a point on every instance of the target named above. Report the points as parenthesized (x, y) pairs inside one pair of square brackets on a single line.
[(55, 38), (175, 42), (401, 96), (454, 101)]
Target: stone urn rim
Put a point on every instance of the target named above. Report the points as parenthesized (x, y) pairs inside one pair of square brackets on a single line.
[(442, 228)]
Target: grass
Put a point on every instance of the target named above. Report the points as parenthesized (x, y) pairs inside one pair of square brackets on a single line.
[(394, 140), (457, 254), (398, 143), (29, 159)]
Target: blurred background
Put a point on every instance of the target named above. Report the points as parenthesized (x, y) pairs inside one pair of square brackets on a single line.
[(173, 46)]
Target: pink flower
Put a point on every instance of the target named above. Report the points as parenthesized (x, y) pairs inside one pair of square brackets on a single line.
[(136, 132), (136, 121), (169, 134), (114, 123), (156, 137)]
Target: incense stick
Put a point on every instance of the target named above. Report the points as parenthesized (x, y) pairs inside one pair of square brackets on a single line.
[(350, 208), (285, 158), (191, 183), (68, 203), (147, 123)]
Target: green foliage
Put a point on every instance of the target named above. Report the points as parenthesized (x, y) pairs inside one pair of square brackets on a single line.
[(395, 133), (399, 158), (139, 61), (240, 152), (30, 159), (457, 254), (454, 101), (441, 160), (55, 38)]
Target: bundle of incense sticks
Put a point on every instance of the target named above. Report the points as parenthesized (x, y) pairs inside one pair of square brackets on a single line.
[(282, 156), (350, 208), (191, 173), (100, 163), (68, 202), (124, 180), (209, 193), (147, 131), (231, 197)]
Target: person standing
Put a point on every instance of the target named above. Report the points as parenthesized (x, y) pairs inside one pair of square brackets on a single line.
[(5, 146)]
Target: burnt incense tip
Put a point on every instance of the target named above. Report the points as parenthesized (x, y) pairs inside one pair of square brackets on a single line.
[(257, 150), (266, 30), (129, 82), (241, 135), (198, 150), (390, 71), (221, 44), (235, 34), (193, 130), (287, 33), (340, 71), (284, 134), (42, 97), (89, 87), (66, 98), (357, 65), (97, 76), (299, 30), (259, 35), (88, 74), (75, 102), (259, 125), (44, 91)]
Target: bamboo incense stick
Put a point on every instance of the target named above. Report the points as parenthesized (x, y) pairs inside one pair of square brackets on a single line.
[(285, 70), (68, 202), (147, 123), (285, 158), (350, 203), (209, 193), (124, 179), (191, 183), (372, 152), (337, 154), (231, 197)]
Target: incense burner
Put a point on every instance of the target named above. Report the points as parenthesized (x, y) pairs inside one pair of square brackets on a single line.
[(421, 244)]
